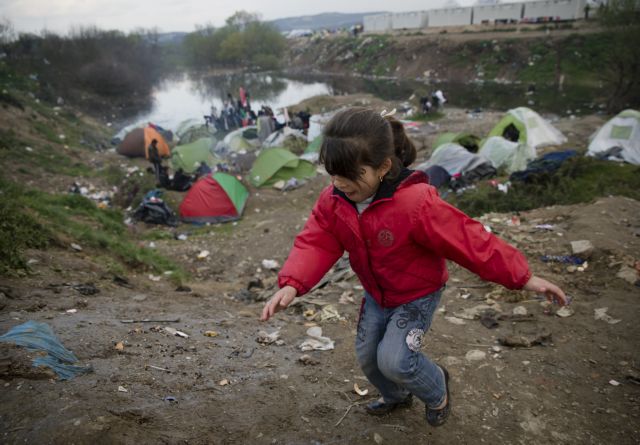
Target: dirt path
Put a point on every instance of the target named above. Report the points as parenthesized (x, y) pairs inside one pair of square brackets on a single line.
[(231, 389)]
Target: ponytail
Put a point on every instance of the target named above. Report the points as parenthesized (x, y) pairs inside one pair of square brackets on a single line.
[(404, 149)]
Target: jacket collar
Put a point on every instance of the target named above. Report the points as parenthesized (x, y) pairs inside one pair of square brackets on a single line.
[(388, 188)]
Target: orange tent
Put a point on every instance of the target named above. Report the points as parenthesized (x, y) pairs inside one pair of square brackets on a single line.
[(136, 143)]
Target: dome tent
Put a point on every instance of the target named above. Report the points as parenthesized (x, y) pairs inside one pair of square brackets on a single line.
[(188, 157), (275, 164), (620, 134), (215, 198), (503, 153), (525, 126), (137, 141), (467, 140)]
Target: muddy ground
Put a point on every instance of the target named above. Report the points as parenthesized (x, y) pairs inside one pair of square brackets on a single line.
[(148, 386)]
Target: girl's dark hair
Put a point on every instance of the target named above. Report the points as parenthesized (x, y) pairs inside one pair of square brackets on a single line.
[(360, 136)]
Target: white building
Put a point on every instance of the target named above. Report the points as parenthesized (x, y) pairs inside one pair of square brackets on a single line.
[(377, 23), (410, 20), (498, 13), (450, 17), (554, 10)]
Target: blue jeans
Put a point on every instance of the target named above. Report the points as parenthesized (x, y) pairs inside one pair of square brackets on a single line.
[(388, 349)]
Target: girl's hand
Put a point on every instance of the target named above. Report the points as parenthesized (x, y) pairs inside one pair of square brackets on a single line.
[(279, 301), (553, 293)]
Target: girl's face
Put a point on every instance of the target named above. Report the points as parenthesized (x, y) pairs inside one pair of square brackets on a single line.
[(366, 186)]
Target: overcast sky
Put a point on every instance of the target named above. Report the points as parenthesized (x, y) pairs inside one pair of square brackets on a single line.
[(179, 15)]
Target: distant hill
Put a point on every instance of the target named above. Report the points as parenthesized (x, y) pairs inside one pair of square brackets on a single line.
[(328, 20), (171, 37)]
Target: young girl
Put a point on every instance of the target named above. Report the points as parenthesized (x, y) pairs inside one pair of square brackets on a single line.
[(398, 233)]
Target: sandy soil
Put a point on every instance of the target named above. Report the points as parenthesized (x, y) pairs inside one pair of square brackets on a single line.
[(580, 386)]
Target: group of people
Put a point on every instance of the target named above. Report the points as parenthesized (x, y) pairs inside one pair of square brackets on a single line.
[(433, 102), (234, 114)]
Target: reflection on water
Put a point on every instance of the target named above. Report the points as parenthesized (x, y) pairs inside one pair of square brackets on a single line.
[(178, 99)]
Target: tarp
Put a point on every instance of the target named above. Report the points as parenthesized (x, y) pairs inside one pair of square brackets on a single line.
[(136, 143), (275, 164), (215, 198), (512, 156), (237, 140), (37, 336), (525, 126), (188, 157), (454, 158), (621, 131)]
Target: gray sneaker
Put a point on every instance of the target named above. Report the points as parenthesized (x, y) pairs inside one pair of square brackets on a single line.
[(437, 417)]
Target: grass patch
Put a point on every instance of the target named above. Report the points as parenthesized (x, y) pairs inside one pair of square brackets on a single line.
[(579, 180), (35, 219)]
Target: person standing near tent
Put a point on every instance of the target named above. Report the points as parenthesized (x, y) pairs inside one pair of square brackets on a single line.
[(155, 159), (399, 234), (438, 99)]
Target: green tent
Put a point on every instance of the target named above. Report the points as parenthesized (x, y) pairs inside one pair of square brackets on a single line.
[(188, 157), (467, 140), (525, 126), (275, 164), (314, 146)]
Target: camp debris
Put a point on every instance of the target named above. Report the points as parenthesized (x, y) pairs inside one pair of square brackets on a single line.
[(153, 210), (137, 141), (275, 164), (546, 164), (218, 197), (618, 139), (36, 336), (525, 126)]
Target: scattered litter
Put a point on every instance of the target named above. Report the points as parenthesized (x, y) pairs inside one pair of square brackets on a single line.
[(266, 339), (360, 392), (601, 314), (475, 355), (158, 368), (122, 389), (150, 320), (519, 310), (270, 264), (629, 274), (223, 382), (474, 312), (170, 399), (455, 320), (330, 313), (154, 277), (567, 259), (37, 336), (307, 360), (346, 297), (119, 346), (614, 383), (564, 312), (210, 334), (72, 311), (182, 237), (378, 438), (175, 332), (545, 227), (316, 341), (76, 247), (203, 254)]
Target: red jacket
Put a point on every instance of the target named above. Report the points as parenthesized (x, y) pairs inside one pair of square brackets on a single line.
[(399, 244)]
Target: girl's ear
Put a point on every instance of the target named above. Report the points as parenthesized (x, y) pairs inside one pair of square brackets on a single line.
[(385, 167)]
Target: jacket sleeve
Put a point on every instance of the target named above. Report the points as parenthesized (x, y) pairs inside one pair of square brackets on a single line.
[(447, 231), (314, 251)]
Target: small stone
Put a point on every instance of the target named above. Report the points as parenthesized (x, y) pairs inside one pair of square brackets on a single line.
[(475, 355), (520, 310), (582, 249), (378, 438)]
